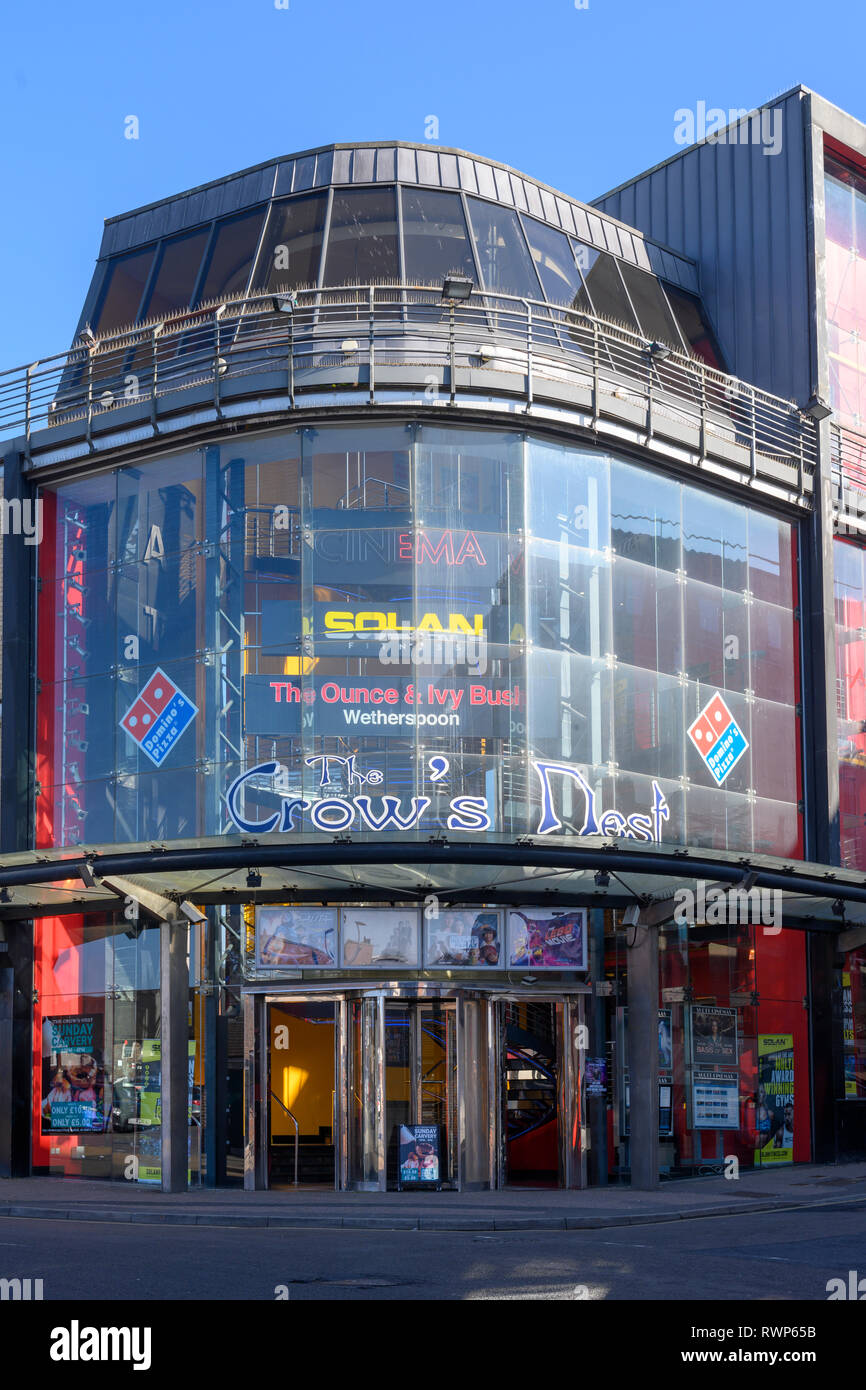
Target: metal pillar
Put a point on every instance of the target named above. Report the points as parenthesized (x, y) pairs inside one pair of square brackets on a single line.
[(473, 1058), (643, 1046), (597, 1105), (174, 1055)]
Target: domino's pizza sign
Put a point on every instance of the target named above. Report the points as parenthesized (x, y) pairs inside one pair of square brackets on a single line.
[(158, 717), (718, 738)]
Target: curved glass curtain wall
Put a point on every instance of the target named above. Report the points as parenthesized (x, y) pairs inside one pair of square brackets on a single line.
[(403, 594), (279, 246)]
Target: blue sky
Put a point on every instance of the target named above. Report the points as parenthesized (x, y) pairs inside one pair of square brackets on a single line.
[(579, 98)]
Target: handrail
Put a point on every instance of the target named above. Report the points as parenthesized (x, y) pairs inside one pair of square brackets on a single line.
[(283, 1106), (339, 334)]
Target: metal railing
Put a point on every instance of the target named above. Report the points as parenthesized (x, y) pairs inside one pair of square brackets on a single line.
[(371, 338), (848, 458), (284, 1107)]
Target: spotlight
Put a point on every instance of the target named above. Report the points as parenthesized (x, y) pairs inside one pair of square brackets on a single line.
[(660, 350), (5, 895), (817, 407), (284, 303), (87, 337), (602, 879), (348, 346), (838, 908), (254, 878), (456, 286)]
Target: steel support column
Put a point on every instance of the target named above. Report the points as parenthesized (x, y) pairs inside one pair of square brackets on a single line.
[(643, 1046), (174, 1055)]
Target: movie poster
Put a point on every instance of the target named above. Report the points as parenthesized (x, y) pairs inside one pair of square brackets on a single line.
[(714, 1036), (419, 1155), (464, 938), (73, 1074), (540, 940), (295, 936), (774, 1107), (380, 936)]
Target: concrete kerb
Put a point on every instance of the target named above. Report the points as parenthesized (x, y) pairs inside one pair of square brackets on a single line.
[(336, 1220)]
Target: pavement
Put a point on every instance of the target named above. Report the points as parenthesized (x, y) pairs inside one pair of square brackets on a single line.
[(806, 1186)]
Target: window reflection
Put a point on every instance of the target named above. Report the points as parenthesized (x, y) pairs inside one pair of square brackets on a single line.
[(176, 274), (607, 292), (126, 279), (362, 242), (231, 257), (555, 264), (292, 245), (435, 240), (505, 263)]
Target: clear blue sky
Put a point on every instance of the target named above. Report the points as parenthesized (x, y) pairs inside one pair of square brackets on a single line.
[(581, 99)]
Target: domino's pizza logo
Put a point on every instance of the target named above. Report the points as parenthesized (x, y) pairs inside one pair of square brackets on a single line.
[(159, 716), (718, 738)]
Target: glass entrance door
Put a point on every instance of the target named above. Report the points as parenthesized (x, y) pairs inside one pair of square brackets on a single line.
[(301, 1093), (542, 1048), (421, 1079)]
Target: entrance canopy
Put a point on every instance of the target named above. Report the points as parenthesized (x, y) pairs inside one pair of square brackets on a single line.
[(561, 871)]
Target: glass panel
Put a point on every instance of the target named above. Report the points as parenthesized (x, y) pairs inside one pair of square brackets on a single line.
[(435, 240), (714, 540), (231, 256), (292, 245), (656, 320), (772, 562), (645, 517), (362, 242), (554, 261), (845, 269), (505, 262), (692, 326), (606, 289), (177, 274), (647, 617), (125, 282)]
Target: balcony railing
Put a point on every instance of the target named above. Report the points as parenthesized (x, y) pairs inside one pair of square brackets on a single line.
[(403, 342)]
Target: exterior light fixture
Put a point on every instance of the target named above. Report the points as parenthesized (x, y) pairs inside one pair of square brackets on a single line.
[(348, 346), (660, 350), (602, 879), (5, 895), (87, 337), (254, 878), (284, 303), (817, 407), (456, 286)]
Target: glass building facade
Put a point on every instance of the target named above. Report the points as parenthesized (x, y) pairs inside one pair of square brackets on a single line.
[(422, 702), (406, 593)]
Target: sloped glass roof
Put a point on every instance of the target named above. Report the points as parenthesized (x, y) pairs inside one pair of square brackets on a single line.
[(390, 230)]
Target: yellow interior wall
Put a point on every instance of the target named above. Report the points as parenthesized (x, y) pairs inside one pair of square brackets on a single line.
[(302, 1075)]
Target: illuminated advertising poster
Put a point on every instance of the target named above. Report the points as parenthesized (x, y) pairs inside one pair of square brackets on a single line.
[(380, 936), (461, 938), (774, 1110), (73, 1075), (419, 1156), (295, 936), (715, 1100), (714, 1036), (149, 1130), (848, 1035), (595, 1076), (541, 940)]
